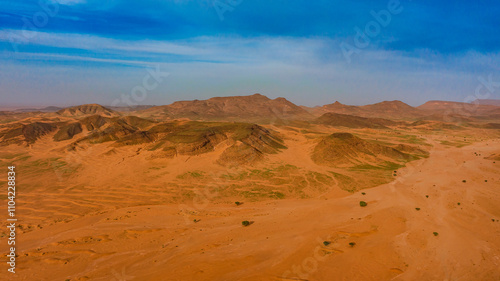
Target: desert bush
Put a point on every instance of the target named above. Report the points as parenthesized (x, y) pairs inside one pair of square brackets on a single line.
[(362, 203)]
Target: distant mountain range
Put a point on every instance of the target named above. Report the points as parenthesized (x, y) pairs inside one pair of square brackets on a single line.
[(487, 102), (386, 109), (87, 109), (249, 108), (45, 109), (259, 108), (244, 130)]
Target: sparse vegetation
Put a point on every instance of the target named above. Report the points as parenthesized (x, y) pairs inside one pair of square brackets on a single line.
[(277, 195), (464, 181), (196, 185), (345, 182), (457, 144), (188, 175)]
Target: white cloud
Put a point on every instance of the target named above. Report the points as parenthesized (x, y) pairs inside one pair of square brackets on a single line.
[(70, 2), (219, 49), (309, 71)]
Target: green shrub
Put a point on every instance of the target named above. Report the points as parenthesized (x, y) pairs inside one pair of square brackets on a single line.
[(362, 203), (418, 209), (326, 243), (245, 223), (435, 233), (352, 244)]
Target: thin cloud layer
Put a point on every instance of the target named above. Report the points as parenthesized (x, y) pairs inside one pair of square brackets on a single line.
[(292, 49)]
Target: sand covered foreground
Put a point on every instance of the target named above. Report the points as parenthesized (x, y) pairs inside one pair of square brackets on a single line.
[(309, 239)]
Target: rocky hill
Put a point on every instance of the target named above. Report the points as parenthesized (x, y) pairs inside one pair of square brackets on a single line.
[(350, 121), (236, 108), (386, 109), (345, 149), (87, 109)]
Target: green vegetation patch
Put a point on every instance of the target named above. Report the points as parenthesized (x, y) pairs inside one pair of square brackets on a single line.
[(191, 175)]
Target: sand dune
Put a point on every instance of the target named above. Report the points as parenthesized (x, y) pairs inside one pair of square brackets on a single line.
[(392, 239), (126, 198)]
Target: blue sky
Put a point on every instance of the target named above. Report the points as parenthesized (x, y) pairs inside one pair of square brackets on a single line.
[(69, 52)]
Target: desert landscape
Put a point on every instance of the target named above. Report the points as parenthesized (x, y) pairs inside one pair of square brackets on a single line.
[(253, 188), (233, 140)]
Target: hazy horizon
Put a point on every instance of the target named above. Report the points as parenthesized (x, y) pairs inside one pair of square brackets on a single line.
[(73, 52), (400, 182), (41, 106)]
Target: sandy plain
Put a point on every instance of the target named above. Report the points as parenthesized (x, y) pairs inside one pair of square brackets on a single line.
[(104, 213)]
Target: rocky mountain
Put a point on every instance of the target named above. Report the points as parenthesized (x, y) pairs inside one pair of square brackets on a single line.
[(386, 109), (449, 108), (345, 149), (350, 121), (87, 109), (487, 102), (245, 143), (236, 108)]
